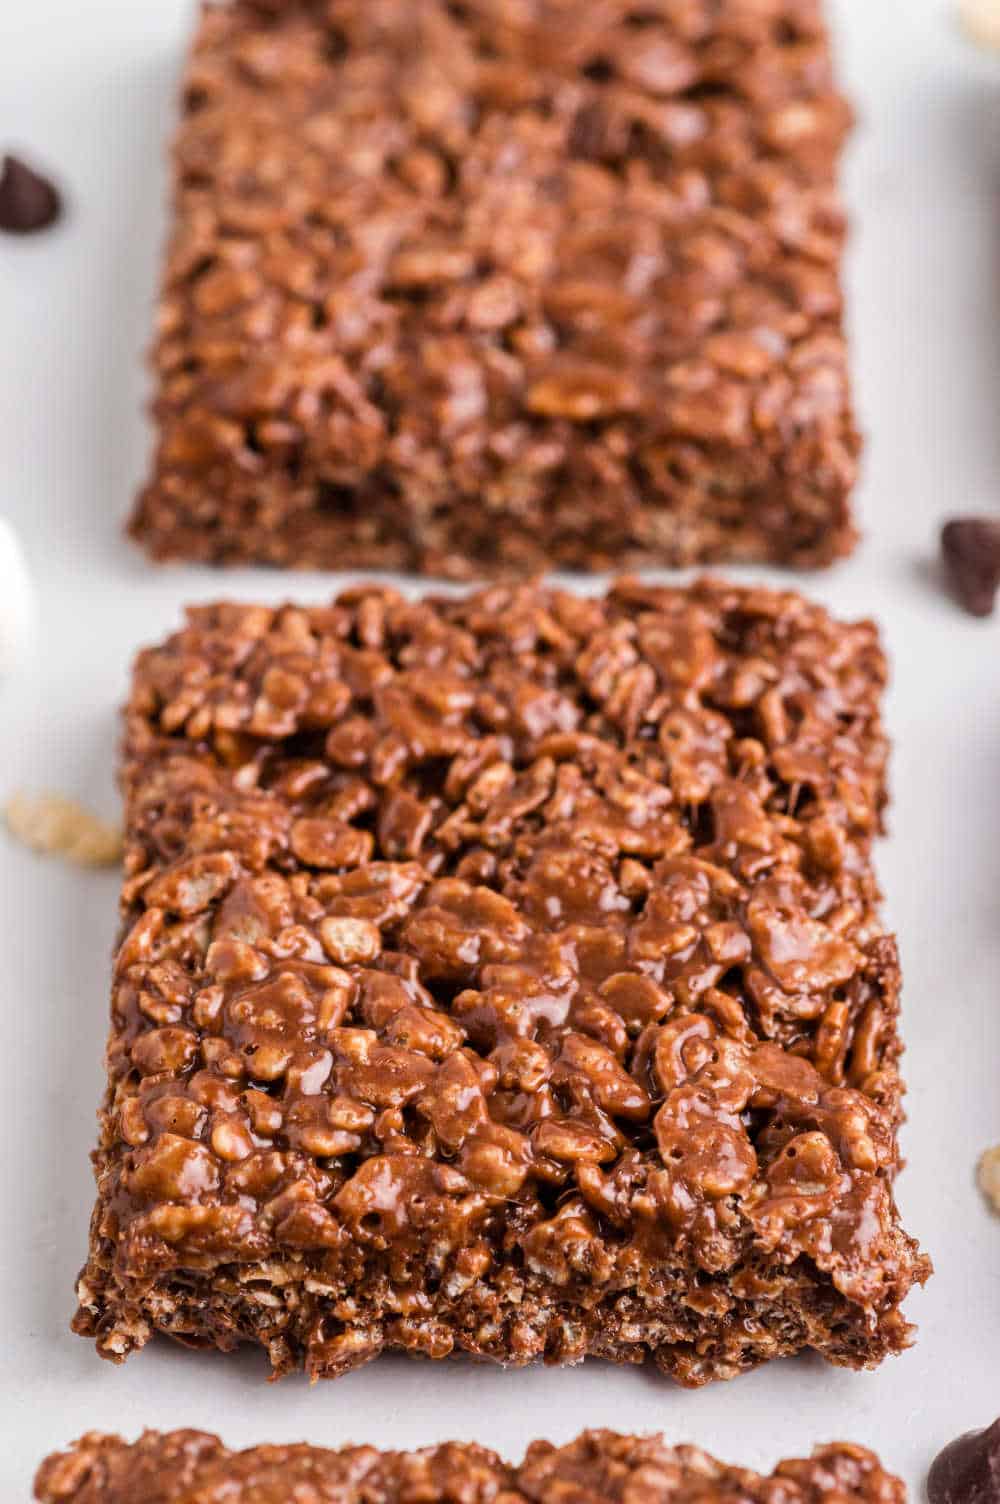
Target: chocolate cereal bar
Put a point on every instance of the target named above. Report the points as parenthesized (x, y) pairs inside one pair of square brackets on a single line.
[(491, 287), (504, 975), (599, 1467)]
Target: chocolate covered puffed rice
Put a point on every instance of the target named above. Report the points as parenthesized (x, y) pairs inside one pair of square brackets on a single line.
[(475, 288), (505, 975), (599, 1467)]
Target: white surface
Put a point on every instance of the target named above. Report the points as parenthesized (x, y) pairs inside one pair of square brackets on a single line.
[(87, 87)]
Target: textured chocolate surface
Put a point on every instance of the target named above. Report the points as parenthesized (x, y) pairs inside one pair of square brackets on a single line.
[(599, 1467), (475, 287), (505, 974)]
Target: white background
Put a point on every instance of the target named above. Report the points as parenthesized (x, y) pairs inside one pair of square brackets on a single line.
[(86, 85)]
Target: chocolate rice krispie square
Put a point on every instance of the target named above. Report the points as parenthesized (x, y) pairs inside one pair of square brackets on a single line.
[(505, 975), (481, 287), (599, 1467)]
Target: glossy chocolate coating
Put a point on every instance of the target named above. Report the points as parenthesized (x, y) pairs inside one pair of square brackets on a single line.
[(496, 288), (599, 1467), (505, 974), (967, 1471)]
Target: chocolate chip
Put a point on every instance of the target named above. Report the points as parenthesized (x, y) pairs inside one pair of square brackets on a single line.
[(968, 1470), (27, 201), (970, 547)]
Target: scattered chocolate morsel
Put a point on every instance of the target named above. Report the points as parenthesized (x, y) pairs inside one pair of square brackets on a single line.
[(27, 200), (968, 1470), (970, 547)]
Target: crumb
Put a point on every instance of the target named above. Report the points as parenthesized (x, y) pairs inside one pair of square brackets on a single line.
[(988, 1175), (62, 827), (981, 21)]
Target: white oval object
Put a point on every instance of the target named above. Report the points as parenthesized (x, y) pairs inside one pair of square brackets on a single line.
[(17, 598)]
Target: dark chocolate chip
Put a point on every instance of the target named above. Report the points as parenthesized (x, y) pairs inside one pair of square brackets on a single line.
[(968, 1470), (971, 550), (27, 201)]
